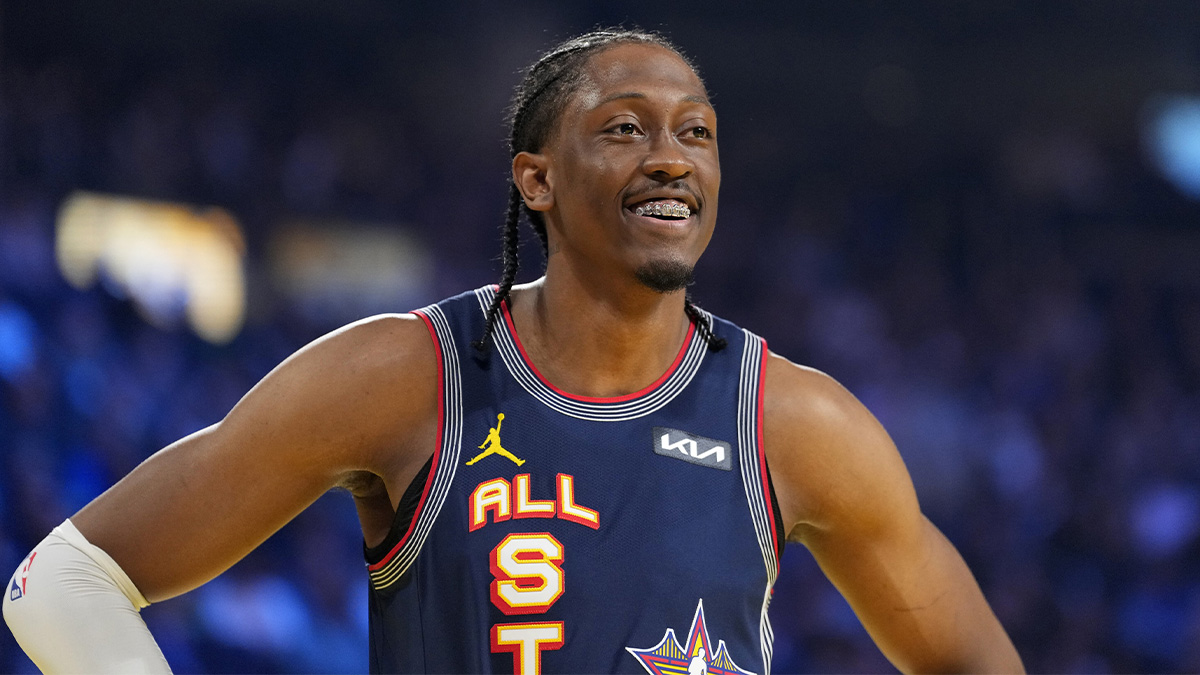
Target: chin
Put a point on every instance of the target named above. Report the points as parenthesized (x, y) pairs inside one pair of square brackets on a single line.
[(666, 275)]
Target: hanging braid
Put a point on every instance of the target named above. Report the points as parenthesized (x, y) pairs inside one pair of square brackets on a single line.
[(512, 263), (537, 104), (714, 343)]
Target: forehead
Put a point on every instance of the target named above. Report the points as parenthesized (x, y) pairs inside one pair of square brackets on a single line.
[(637, 68)]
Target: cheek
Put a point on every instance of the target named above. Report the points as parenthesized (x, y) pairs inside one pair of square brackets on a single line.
[(713, 168), (592, 181)]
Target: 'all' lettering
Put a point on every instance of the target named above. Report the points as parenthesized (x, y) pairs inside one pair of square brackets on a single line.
[(499, 499)]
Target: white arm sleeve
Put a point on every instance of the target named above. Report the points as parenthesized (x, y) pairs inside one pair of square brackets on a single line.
[(74, 610)]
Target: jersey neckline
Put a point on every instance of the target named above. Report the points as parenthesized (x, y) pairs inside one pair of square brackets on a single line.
[(627, 406)]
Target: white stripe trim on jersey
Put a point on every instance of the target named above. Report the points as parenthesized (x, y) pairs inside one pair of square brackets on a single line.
[(447, 463), (617, 411), (753, 479)]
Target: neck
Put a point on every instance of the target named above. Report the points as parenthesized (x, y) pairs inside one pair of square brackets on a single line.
[(595, 340)]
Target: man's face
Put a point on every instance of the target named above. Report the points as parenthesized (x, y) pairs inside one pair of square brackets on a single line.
[(638, 135)]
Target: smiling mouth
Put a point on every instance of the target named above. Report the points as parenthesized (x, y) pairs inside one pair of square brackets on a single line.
[(663, 209)]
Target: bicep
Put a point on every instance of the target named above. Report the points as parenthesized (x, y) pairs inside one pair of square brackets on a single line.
[(195, 508)]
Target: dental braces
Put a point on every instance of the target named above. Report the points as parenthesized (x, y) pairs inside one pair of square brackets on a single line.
[(660, 209)]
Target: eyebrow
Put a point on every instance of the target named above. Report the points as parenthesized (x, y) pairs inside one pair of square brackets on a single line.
[(690, 98)]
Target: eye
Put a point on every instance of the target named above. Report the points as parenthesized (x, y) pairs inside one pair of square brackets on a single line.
[(626, 129), (700, 132)]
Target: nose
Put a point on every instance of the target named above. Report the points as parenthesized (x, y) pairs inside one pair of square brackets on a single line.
[(666, 159)]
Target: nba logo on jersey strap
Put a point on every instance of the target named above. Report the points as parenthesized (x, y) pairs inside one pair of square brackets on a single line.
[(697, 658), (17, 591), (692, 448)]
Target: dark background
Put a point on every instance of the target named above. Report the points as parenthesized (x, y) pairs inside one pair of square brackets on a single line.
[(951, 207)]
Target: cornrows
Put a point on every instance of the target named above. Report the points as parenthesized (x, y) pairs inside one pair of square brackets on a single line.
[(537, 104)]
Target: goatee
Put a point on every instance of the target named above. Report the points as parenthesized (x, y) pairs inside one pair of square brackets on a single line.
[(665, 276)]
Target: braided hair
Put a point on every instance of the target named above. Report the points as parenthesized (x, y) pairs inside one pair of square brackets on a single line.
[(537, 104)]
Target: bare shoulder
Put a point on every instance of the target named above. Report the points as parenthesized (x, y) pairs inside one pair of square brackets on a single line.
[(388, 351), (377, 343), (363, 386), (834, 466)]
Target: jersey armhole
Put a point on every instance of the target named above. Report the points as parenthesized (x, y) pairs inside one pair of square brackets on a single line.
[(760, 431), (780, 535), (380, 558), (405, 511)]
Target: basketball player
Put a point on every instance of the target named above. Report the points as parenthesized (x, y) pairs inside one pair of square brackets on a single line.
[(654, 458)]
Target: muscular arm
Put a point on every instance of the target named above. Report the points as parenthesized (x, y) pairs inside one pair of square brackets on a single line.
[(361, 399), (845, 494)]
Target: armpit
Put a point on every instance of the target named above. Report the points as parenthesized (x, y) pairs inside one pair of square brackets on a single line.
[(363, 484)]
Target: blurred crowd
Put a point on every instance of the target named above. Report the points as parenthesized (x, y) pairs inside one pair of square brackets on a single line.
[(1025, 322)]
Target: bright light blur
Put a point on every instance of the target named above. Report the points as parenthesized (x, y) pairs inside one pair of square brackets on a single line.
[(1172, 135), (174, 261), (344, 270)]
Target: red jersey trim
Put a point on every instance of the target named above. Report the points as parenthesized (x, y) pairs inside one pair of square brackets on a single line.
[(762, 449), (512, 330), (437, 449)]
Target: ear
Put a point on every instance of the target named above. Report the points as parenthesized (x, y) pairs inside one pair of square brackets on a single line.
[(531, 176)]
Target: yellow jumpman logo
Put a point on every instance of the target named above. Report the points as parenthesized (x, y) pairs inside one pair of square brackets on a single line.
[(493, 445)]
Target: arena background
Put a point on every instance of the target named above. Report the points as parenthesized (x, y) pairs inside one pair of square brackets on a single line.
[(981, 217)]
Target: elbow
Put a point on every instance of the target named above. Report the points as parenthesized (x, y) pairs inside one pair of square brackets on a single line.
[(68, 613)]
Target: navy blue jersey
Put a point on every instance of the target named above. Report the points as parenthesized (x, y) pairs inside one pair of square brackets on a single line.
[(559, 533)]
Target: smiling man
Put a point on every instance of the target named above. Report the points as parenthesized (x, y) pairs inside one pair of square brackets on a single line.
[(643, 461)]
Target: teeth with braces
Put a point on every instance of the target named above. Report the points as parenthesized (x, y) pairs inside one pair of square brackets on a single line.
[(661, 209)]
